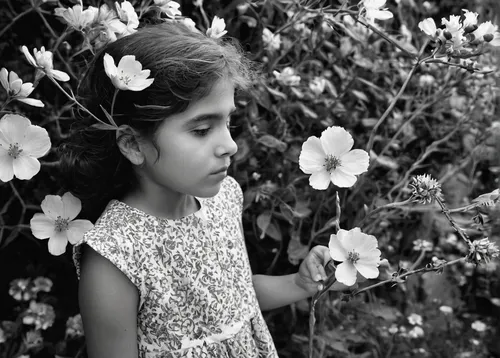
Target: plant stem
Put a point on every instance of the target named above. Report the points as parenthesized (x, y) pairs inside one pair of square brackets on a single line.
[(73, 99), (13, 21), (383, 207), (113, 101), (393, 279), (457, 228)]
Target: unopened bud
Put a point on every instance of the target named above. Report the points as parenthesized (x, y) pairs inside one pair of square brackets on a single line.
[(470, 28), (488, 37), (447, 35)]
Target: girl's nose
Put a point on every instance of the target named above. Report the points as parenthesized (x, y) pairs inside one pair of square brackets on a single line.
[(227, 146)]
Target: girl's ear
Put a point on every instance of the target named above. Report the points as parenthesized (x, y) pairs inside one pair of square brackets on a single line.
[(127, 140)]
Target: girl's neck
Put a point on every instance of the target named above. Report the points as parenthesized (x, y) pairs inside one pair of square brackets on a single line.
[(167, 205)]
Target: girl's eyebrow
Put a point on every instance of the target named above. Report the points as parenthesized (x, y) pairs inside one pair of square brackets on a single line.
[(208, 116)]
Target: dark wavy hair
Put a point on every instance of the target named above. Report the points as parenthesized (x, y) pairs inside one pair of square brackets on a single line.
[(185, 64)]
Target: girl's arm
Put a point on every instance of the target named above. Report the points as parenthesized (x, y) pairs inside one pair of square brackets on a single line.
[(277, 291), (108, 305)]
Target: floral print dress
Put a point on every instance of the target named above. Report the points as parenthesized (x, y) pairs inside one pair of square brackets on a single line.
[(193, 276)]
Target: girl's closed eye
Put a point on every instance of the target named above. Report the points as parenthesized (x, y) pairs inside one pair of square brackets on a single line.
[(201, 132)]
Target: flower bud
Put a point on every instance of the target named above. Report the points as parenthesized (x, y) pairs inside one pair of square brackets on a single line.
[(470, 28), (482, 250), (447, 35), (488, 37)]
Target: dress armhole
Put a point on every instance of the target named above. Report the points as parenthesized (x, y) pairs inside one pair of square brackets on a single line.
[(120, 252)]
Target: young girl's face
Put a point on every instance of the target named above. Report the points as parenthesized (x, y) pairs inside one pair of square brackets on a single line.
[(194, 146)]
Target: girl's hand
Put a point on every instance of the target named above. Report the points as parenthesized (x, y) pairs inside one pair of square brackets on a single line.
[(312, 272)]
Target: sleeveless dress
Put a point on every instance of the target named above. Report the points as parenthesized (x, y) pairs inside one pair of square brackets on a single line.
[(197, 298)]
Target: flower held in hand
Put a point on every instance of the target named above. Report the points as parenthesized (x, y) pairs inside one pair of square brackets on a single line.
[(330, 158), (21, 143), (358, 253), (129, 74), (57, 224)]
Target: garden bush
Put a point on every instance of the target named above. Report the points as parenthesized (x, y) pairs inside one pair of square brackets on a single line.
[(423, 102)]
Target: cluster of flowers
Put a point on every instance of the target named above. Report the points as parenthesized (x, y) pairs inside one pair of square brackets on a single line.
[(461, 35)]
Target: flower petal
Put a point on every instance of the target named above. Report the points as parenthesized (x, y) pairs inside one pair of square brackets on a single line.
[(336, 141), (4, 78), (355, 162), (26, 167), (346, 273), (140, 85), (31, 101), (367, 270), (16, 85), (129, 65), (6, 166), (58, 243), (42, 227), (109, 66), (59, 75), (71, 206), (77, 228), (312, 156), (26, 89), (342, 179), (337, 251), (14, 126), (53, 206), (29, 57), (36, 142), (319, 180)]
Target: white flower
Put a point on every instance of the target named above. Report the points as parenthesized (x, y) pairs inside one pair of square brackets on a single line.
[(317, 85), (21, 143), (76, 17), (129, 74), (422, 245), (129, 19), (57, 224), (20, 291), (170, 8), (428, 26), (393, 329), (18, 90), (189, 23), (40, 314), (271, 42), (74, 326), (42, 60), (482, 250), (415, 319), (287, 77), (217, 29), (372, 10), (446, 309), (479, 326), (453, 25), (426, 80), (416, 332), (485, 29), (470, 18), (358, 253), (330, 158)]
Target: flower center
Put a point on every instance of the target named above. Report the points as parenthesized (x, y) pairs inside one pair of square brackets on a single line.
[(125, 78), (61, 224), (14, 150), (353, 256), (331, 163)]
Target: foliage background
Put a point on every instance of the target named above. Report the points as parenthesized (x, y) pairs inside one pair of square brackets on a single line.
[(284, 216)]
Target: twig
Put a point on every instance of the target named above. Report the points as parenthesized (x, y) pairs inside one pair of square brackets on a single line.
[(13, 21), (457, 228), (384, 207)]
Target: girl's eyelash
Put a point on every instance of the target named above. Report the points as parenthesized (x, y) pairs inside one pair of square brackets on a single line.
[(201, 132)]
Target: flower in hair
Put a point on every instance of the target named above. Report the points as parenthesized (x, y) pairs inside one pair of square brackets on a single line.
[(18, 90), (42, 60), (217, 29), (129, 74), (21, 144), (129, 19), (330, 158), (76, 17), (57, 222), (170, 8)]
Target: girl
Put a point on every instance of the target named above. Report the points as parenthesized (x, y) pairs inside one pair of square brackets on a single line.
[(164, 272)]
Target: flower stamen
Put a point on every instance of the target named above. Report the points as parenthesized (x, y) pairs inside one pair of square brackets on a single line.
[(14, 150), (331, 163), (353, 257), (61, 224)]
